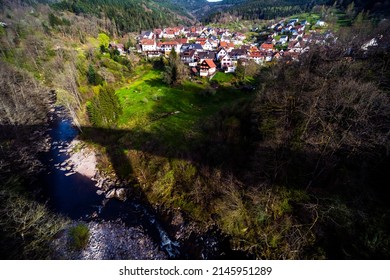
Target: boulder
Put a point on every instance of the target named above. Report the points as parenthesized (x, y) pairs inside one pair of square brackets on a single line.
[(121, 194), (111, 193)]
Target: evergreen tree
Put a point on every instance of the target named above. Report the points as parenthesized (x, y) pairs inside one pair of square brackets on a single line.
[(175, 70), (93, 77), (104, 109)]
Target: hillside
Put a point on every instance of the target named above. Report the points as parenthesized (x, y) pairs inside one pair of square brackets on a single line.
[(263, 9), (129, 16)]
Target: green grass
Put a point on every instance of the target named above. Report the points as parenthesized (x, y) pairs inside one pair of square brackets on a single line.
[(79, 236), (222, 78), (171, 114)]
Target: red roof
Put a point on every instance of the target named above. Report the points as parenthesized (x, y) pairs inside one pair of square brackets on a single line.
[(267, 46), (226, 44), (210, 63), (256, 54), (149, 42), (182, 41)]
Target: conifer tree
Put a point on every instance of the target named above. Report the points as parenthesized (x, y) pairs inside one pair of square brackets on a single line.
[(104, 109)]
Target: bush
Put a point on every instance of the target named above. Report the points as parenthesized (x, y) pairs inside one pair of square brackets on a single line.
[(79, 236)]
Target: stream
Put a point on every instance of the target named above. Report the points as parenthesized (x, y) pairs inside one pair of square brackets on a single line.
[(75, 196)]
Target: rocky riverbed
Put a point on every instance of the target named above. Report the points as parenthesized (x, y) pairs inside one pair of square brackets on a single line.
[(82, 159), (109, 240)]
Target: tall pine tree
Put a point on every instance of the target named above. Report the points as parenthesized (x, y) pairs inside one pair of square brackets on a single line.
[(104, 109)]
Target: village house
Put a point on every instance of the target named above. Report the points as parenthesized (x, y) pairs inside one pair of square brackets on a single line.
[(197, 47), (158, 32), (207, 45), (207, 68), (189, 57), (236, 54), (206, 55), (257, 57), (227, 46), (267, 46), (147, 35), (269, 56), (168, 33), (153, 54), (119, 47), (192, 36), (226, 62), (283, 39), (166, 47), (148, 45), (214, 42), (221, 53)]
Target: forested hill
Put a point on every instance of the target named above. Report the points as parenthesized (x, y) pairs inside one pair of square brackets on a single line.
[(270, 9), (129, 15), (265, 9)]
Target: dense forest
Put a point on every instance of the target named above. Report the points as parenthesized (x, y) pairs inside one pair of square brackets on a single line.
[(289, 164), (264, 9), (129, 16), (269, 9)]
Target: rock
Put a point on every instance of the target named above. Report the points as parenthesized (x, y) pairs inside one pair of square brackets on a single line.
[(99, 192), (121, 194), (110, 193)]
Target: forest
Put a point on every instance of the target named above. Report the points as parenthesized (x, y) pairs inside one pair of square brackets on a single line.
[(129, 16), (289, 163)]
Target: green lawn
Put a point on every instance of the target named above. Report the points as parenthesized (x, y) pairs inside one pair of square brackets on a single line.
[(155, 110), (223, 78)]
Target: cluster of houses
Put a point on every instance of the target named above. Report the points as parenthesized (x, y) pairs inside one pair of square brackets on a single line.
[(207, 49)]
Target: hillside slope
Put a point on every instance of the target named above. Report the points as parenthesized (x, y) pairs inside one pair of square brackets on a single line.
[(129, 16)]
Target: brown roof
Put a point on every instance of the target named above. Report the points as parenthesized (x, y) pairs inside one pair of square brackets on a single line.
[(167, 43)]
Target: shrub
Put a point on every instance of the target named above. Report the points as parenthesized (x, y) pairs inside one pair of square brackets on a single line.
[(79, 236)]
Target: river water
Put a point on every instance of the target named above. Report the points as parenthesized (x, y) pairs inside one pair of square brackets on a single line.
[(75, 196)]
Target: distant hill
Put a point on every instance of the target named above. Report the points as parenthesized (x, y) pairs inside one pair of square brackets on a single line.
[(269, 9), (264, 9), (202, 8), (130, 16)]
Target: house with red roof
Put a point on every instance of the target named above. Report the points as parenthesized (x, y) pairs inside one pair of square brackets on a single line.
[(168, 33), (167, 47), (257, 57), (228, 46), (267, 46), (207, 68), (148, 45)]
